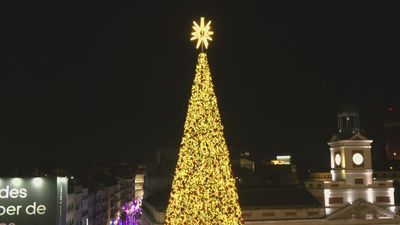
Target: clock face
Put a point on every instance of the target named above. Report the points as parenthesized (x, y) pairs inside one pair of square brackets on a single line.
[(338, 159), (358, 159)]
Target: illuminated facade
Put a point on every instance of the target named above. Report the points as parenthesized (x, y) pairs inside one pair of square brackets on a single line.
[(139, 187), (351, 172), (281, 160)]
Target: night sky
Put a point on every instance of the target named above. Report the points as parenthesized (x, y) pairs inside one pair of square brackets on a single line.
[(110, 82)]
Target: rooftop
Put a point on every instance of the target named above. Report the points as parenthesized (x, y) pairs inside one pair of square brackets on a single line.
[(255, 198)]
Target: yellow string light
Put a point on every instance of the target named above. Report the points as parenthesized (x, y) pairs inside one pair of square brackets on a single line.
[(203, 189)]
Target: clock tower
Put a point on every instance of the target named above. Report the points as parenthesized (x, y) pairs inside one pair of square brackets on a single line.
[(350, 151), (350, 178)]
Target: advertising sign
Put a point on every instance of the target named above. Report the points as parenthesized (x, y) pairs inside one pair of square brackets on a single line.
[(33, 201)]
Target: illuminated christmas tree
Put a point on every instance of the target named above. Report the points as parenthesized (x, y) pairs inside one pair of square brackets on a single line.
[(203, 189)]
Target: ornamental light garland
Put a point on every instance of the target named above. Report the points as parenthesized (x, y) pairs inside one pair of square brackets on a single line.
[(130, 213), (203, 188)]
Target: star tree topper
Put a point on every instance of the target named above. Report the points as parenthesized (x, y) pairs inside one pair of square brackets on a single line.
[(202, 33)]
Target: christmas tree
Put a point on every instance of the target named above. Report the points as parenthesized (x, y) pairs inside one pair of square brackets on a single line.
[(203, 189)]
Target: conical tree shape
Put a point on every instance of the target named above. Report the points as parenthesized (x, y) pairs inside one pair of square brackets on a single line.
[(203, 189)]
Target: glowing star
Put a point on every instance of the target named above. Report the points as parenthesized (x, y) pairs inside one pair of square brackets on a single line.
[(202, 33)]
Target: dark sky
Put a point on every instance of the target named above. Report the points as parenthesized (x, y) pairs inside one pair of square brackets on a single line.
[(100, 82)]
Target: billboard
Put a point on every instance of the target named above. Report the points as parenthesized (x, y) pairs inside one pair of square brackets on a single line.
[(33, 201)]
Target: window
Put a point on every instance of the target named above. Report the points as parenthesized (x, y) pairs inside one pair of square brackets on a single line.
[(359, 181), (268, 214), (290, 213), (382, 199), (312, 213), (336, 200)]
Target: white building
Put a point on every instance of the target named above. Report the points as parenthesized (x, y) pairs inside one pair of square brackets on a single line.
[(139, 185), (94, 206), (71, 209), (351, 175)]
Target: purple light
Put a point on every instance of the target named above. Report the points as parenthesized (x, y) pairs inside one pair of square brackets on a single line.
[(130, 213)]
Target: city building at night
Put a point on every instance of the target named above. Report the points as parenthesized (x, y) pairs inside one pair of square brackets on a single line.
[(94, 205), (258, 205), (96, 196), (350, 192), (139, 184), (200, 113), (281, 170)]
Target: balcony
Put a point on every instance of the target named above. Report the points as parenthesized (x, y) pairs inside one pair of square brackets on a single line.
[(343, 184)]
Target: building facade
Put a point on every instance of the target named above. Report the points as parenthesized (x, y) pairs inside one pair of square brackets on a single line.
[(351, 175), (98, 203)]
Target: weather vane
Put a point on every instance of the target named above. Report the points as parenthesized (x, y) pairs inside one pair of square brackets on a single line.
[(202, 33)]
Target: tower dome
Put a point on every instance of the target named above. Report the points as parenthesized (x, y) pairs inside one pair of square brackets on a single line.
[(348, 120)]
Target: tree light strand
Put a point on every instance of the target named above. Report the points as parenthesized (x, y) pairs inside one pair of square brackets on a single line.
[(203, 188)]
